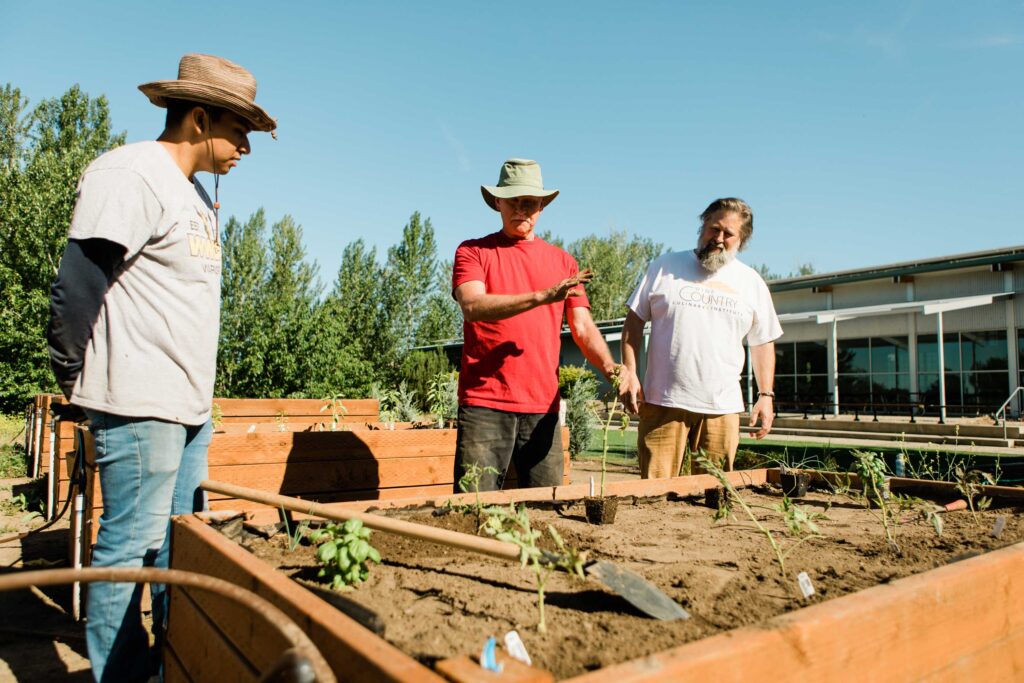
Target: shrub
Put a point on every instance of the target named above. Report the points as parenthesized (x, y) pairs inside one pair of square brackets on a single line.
[(578, 416), (567, 376)]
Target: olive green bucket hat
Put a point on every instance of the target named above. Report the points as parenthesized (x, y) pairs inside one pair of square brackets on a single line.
[(518, 178)]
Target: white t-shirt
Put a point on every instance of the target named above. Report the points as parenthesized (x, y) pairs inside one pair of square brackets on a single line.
[(153, 351), (698, 322)]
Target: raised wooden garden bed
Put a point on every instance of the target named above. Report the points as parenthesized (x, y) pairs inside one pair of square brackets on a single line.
[(963, 619)]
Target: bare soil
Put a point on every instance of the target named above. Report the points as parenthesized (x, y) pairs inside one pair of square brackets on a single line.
[(438, 602)]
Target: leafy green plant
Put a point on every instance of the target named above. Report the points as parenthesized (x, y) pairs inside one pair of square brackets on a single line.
[(12, 462), (470, 481), (870, 467), (969, 483), (344, 553), (800, 523), (918, 506), (512, 525), (337, 408), (396, 405), (569, 375), (579, 417), (443, 396), (216, 416)]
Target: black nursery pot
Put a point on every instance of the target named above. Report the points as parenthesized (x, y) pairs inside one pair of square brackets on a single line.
[(715, 497), (601, 510), (794, 484)]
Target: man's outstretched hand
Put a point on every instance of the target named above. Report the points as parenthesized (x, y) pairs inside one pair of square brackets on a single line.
[(570, 285)]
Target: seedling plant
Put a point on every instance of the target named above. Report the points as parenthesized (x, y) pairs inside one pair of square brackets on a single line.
[(800, 524), (871, 469), (344, 553), (512, 525), (470, 482), (443, 396), (615, 412), (969, 483), (337, 408)]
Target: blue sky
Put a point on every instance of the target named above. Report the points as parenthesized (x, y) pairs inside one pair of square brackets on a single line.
[(861, 133)]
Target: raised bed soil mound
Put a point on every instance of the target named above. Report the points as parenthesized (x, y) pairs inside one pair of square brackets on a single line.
[(437, 602)]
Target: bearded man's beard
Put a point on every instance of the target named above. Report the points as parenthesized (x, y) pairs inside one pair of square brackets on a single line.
[(712, 258)]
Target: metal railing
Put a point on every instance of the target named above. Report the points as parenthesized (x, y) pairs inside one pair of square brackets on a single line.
[(1002, 408)]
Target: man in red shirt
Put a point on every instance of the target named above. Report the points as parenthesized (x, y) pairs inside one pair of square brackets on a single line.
[(515, 289)]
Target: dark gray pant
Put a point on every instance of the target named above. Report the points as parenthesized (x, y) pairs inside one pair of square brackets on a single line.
[(495, 438)]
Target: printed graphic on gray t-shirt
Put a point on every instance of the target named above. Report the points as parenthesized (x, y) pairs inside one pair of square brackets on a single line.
[(153, 350)]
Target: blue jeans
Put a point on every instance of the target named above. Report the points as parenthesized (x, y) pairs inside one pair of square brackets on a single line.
[(149, 470)]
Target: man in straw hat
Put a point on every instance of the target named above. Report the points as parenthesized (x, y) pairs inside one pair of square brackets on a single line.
[(134, 319), (515, 289), (701, 303)]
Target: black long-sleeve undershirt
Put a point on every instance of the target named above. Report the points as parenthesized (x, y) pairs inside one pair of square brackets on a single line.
[(85, 274)]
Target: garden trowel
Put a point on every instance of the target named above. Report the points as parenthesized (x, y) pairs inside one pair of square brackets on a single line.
[(635, 589)]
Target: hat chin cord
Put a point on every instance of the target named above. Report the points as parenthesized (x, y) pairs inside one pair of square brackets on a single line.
[(216, 176)]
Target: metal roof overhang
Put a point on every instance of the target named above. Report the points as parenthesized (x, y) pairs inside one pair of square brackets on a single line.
[(929, 307)]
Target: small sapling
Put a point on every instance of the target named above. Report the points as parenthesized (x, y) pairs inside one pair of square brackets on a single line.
[(875, 486), (969, 483), (799, 522), (512, 525)]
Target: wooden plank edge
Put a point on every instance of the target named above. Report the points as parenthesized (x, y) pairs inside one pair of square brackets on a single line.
[(901, 631), (385, 662)]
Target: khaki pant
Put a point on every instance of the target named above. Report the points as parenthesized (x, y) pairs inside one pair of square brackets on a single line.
[(668, 437)]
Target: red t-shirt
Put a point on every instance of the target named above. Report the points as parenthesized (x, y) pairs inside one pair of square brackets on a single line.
[(512, 364)]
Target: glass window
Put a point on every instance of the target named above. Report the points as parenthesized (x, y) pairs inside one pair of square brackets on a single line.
[(890, 354), (812, 357), (854, 356), (984, 350), (928, 352), (784, 389), (928, 386), (987, 389), (854, 388), (784, 359), (812, 388)]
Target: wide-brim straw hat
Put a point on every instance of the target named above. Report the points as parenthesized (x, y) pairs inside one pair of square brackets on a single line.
[(518, 178), (213, 80)]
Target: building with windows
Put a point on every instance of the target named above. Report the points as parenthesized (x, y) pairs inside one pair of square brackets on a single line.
[(869, 338)]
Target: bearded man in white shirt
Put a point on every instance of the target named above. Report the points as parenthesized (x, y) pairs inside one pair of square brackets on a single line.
[(701, 305)]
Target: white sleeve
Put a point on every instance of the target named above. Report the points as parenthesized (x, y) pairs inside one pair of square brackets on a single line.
[(116, 205), (640, 300), (765, 326)]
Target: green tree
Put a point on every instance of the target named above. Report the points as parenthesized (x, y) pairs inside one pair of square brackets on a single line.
[(343, 352), (406, 284), (442, 319), (618, 262), (292, 300), (42, 156), (766, 273), (243, 342)]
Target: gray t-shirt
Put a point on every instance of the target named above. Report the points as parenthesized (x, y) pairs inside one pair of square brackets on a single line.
[(153, 351)]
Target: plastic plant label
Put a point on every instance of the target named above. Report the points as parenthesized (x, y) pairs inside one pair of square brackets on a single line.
[(516, 649), (488, 660), (805, 584), (997, 528)]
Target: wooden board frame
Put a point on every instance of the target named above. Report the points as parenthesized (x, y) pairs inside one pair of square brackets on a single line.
[(959, 621)]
